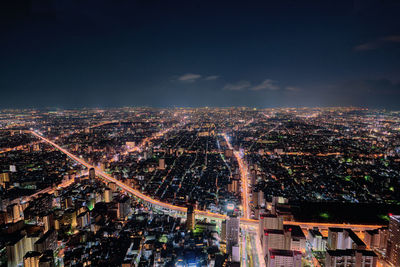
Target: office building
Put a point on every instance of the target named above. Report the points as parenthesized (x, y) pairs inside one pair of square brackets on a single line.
[(190, 218), (92, 174), (393, 244), (161, 164), (344, 238), (350, 258), (317, 241), (283, 258), (232, 233)]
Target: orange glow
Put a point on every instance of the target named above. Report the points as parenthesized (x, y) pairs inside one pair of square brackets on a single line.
[(243, 178)]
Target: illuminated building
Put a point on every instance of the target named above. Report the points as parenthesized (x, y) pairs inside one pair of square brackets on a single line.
[(273, 239), (261, 199), (255, 198), (236, 253), (14, 212), (317, 241), (190, 218), (124, 206), (377, 238), (13, 168), (223, 231), (18, 246), (344, 238), (4, 179), (112, 186), (83, 219), (294, 238), (92, 174), (233, 187), (48, 222), (270, 221), (350, 258), (393, 244), (161, 164), (31, 259), (108, 195), (232, 233), (69, 218), (47, 242), (286, 258)]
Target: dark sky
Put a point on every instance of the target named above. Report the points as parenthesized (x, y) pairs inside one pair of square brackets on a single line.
[(106, 53)]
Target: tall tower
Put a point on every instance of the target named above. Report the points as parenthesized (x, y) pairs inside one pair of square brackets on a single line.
[(393, 244), (190, 220), (232, 233), (92, 174)]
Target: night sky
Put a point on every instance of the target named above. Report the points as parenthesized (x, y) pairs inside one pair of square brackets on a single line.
[(111, 53)]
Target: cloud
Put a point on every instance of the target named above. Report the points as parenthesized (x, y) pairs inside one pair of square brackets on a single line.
[(238, 86), (193, 77), (376, 44), (265, 85), (189, 77), (292, 89), (211, 77)]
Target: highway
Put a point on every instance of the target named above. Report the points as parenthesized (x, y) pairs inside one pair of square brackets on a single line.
[(243, 179)]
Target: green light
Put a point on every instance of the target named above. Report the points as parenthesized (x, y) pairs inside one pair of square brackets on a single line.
[(163, 239), (384, 217), (324, 215)]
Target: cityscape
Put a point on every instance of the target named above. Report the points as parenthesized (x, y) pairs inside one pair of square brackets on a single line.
[(200, 187), (200, 133)]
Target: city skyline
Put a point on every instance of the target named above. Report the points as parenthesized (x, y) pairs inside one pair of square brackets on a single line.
[(200, 133)]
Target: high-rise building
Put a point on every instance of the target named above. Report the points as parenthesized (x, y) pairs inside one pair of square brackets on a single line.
[(92, 174), (124, 206), (235, 253), (4, 179), (377, 238), (317, 241), (190, 218), (393, 244), (261, 199), (112, 186), (270, 221), (294, 238), (350, 258), (15, 212), (48, 222), (254, 198), (31, 259), (286, 258), (233, 187), (161, 164), (232, 233), (273, 239), (344, 238), (108, 197), (13, 168), (223, 231)]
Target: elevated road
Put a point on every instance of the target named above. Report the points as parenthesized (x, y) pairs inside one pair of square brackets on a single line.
[(156, 203)]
